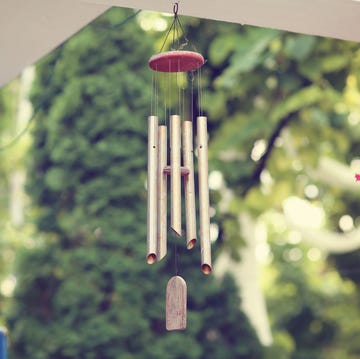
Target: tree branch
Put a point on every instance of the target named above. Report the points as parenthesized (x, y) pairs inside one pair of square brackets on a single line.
[(255, 178)]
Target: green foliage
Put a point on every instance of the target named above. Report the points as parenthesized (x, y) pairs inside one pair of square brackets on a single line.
[(247, 54), (302, 79), (277, 103), (309, 303), (299, 47)]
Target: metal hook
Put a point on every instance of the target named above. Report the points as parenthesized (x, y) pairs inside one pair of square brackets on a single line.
[(176, 9)]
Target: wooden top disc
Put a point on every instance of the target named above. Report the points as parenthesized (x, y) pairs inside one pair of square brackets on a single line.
[(176, 61)]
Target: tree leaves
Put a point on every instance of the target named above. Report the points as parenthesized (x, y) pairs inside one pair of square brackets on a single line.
[(314, 68), (299, 47), (302, 99), (223, 46), (248, 53)]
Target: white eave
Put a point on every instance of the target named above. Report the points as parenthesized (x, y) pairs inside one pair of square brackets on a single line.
[(31, 29)]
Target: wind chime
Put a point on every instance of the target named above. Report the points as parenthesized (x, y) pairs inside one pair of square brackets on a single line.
[(172, 69)]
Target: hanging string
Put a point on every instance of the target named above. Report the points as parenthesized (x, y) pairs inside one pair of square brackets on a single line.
[(178, 26), (167, 34), (165, 97), (175, 33), (177, 263), (179, 86), (200, 92), (156, 93), (178, 94), (152, 93), (169, 82), (154, 107), (191, 76), (183, 102), (175, 29), (176, 258)]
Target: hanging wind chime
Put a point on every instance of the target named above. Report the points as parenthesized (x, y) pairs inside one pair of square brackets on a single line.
[(173, 70)]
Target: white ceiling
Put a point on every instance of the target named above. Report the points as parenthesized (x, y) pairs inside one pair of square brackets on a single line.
[(30, 29)]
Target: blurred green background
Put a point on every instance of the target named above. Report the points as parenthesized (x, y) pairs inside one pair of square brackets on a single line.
[(284, 131)]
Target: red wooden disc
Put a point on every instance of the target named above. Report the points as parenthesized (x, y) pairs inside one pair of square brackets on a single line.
[(176, 61)]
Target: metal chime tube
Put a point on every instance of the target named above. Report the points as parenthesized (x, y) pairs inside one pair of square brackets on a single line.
[(162, 193), (204, 195), (189, 185), (152, 190), (175, 176)]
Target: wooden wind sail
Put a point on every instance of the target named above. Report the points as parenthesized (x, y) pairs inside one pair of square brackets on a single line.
[(176, 292)]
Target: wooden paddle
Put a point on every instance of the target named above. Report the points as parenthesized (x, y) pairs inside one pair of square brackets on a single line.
[(176, 304)]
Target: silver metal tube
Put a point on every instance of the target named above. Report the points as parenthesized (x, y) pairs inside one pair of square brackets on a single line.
[(189, 185), (151, 243), (162, 194), (204, 195), (175, 182)]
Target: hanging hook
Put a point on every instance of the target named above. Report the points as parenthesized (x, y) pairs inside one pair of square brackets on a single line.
[(176, 9)]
